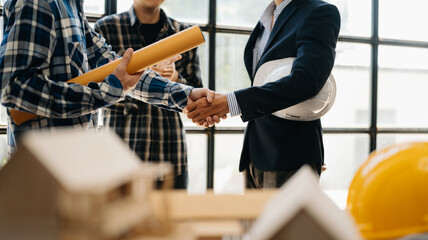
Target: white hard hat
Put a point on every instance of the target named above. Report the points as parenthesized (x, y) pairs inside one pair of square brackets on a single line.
[(309, 110)]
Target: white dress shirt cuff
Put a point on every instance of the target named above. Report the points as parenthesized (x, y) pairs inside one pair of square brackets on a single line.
[(233, 105)]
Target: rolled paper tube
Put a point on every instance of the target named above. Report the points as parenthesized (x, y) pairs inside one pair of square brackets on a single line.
[(143, 58)]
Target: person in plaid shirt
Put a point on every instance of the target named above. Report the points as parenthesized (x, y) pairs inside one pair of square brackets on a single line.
[(48, 42), (155, 134)]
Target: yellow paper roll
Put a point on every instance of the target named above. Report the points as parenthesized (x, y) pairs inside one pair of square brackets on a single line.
[(143, 58)]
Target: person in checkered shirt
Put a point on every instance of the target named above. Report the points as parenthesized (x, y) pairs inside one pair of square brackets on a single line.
[(48, 42), (155, 134)]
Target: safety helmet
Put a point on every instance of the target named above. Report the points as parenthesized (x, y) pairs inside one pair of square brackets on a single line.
[(388, 196), (309, 110)]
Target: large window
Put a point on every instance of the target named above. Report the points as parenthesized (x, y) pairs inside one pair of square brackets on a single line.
[(381, 73)]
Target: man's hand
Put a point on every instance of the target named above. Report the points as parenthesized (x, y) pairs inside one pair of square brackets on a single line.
[(129, 81), (202, 109), (167, 69), (208, 96), (198, 93)]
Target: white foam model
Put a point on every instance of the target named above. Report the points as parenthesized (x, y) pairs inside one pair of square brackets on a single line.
[(301, 210)]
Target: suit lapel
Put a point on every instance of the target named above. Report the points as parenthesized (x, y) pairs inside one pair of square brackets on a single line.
[(282, 19)]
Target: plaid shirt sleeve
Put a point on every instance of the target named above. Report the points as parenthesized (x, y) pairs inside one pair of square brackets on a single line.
[(25, 59), (100, 52), (155, 89)]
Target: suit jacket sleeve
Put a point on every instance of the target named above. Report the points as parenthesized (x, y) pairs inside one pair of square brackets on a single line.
[(316, 40)]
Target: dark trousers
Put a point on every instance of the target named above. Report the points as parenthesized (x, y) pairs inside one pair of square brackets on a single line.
[(254, 178)]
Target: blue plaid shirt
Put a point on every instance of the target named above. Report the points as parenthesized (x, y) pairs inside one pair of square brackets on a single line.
[(48, 42)]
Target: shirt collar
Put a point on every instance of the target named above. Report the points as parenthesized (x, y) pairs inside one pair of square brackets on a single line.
[(134, 19), (132, 16), (272, 10)]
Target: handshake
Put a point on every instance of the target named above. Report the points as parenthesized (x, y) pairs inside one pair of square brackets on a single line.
[(205, 107)]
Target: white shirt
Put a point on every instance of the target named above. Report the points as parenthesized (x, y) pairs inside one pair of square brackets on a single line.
[(266, 25)]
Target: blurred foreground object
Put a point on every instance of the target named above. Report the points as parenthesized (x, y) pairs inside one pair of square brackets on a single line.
[(301, 210), (71, 184), (74, 185), (388, 196)]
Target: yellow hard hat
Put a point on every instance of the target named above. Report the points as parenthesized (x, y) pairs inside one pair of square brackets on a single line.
[(388, 196)]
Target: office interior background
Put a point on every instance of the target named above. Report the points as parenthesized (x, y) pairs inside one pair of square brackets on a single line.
[(381, 72)]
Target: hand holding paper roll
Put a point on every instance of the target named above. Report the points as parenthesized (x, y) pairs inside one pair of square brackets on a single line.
[(141, 59), (129, 81)]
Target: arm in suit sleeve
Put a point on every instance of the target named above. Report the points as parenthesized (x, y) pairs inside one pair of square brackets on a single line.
[(316, 40)]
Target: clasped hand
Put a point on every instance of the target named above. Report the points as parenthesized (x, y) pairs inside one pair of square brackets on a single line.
[(205, 107)]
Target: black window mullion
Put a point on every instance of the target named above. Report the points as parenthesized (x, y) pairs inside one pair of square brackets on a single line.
[(110, 7), (374, 73), (211, 85)]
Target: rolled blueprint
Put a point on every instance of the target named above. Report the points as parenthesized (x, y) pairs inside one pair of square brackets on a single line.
[(143, 58)]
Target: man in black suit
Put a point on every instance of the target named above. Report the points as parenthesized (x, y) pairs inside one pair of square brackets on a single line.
[(275, 148)]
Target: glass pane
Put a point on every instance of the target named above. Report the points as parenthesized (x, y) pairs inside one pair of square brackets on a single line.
[(238, 13), (191, 11), (355, 17), (227, 178), (3, 150), (124, 5), (385, 140), (342, 162), (197, 162), (403, 21), (403, 74), (352, 74), (3, 116), (203, 59), (231, 74), (94, 6)]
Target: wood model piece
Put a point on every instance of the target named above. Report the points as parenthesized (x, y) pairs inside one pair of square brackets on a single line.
[(84, 185), (74, 185), (300, 210)]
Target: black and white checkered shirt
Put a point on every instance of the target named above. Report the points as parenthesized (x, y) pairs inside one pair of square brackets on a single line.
[(155, 134), (46, 43)]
